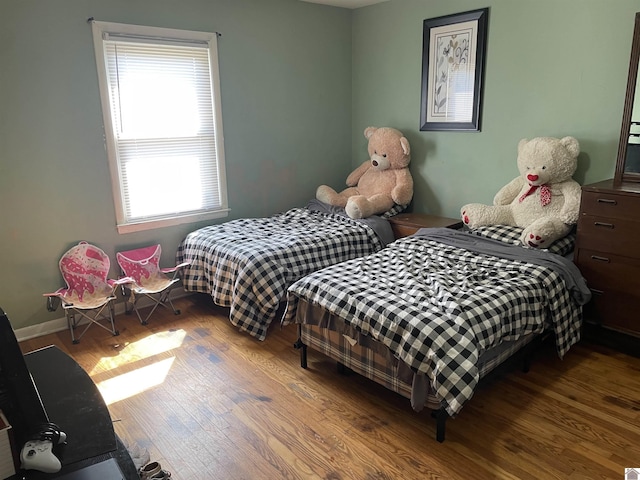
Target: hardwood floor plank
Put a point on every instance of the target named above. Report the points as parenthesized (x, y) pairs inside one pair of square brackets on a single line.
[(208, 401)]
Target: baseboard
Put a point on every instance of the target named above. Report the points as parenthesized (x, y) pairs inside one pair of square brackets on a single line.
[(59, 324)]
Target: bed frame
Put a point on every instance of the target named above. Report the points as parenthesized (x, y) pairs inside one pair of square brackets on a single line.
[(375, 361)]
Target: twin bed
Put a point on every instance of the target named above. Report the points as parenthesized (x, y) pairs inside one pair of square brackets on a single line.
[(432, 313), (427, 316), (248, 264)]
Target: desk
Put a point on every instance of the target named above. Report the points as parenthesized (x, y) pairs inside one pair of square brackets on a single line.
[(74, 403)]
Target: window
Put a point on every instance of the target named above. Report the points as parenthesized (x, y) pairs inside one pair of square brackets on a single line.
[(160, 95)]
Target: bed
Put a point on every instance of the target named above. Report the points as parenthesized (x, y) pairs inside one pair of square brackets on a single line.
[(248, 264), (433, 313)]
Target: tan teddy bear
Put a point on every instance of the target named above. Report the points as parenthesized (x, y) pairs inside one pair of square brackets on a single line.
[(544, 199), (379, 183)]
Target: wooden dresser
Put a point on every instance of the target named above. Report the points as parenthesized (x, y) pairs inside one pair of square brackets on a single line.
[(406, 224), (608, 254)]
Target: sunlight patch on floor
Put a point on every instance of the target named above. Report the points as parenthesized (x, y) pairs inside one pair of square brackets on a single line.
[(135, 382), (144, 348)]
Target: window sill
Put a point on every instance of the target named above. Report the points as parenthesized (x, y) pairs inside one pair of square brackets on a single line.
[(169, 222)]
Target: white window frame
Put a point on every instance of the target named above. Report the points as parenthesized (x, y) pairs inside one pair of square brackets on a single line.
[(156, 35)]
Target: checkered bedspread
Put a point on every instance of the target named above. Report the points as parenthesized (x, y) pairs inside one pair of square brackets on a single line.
[(438, 307), (247, 264)]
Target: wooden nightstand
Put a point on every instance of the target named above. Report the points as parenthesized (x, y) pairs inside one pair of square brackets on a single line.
[(405, 224)]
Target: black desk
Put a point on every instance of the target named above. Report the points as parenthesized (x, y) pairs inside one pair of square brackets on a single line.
[(74, 403)]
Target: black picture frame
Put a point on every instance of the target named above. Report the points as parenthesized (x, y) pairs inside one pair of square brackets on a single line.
[(453, 59)]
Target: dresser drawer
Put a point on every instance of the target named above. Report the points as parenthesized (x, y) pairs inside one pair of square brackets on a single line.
[(609, 235), (610, 205), (605, 272)]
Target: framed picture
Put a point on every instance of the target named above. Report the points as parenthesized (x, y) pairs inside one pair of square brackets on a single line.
[(453, 53)]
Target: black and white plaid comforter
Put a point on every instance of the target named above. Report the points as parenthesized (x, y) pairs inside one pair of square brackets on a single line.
[(438, 307), (247, 264)]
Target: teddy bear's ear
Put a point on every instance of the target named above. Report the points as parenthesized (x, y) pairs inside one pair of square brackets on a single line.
[(405, 146), (572, 145), (369, 131), (522, 143)]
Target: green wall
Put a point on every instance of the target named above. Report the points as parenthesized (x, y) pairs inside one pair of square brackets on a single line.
[(553, 68), (285, 69), (300, 82)]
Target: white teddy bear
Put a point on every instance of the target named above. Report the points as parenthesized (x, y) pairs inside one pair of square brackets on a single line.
[(544, 199)]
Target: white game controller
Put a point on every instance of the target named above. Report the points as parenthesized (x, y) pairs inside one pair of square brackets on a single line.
[(38, 455)]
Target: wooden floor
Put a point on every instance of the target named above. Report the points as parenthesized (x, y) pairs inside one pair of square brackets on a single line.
[(209, 402)]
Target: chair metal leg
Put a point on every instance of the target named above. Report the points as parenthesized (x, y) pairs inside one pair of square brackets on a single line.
[(153, 309), (71, 323), (112, 318), (168, 299), (159, 300), (97, 318), (134, 307), (129, 300)]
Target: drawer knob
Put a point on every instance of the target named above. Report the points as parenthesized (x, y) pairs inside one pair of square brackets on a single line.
[(599, 259), (608, 201), (603, 224)]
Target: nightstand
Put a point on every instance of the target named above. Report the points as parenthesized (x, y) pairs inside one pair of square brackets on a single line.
[(405, 224)]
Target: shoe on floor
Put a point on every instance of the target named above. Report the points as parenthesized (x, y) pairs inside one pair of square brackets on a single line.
[(153, 471), (161, 475)]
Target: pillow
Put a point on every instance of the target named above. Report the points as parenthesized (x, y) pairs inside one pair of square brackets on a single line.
[(511, 235)]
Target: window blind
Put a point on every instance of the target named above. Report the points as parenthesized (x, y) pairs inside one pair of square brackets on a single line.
[(162, 113)]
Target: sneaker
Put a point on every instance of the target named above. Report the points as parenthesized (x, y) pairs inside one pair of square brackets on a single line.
[(148, 470), (161, 475), (153, 471)]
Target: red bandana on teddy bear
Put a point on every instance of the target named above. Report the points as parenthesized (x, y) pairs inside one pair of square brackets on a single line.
[(545, 191)]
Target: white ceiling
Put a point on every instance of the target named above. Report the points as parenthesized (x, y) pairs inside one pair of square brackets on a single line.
[(346, 3)]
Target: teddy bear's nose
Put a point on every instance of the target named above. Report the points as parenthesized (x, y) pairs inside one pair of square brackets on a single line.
[(532, 178), (374, 163)]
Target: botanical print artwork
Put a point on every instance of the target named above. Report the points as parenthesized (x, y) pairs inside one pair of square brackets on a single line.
[(453, 51), (453, 74)]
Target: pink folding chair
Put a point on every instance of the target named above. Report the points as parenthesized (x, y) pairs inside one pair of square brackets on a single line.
[(149, 280), (89, 294)]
